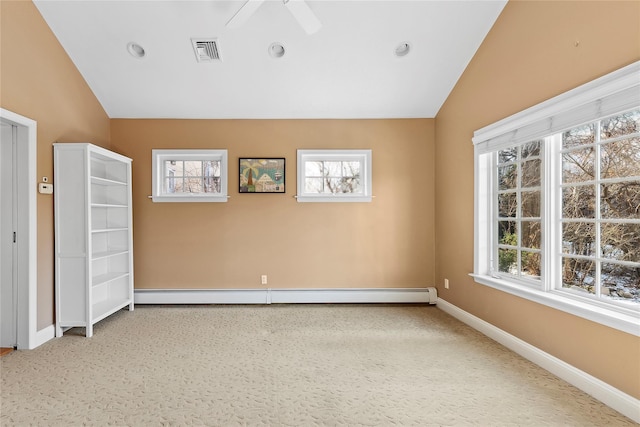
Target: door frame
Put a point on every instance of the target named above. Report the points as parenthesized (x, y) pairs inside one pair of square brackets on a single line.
[(27, 226)]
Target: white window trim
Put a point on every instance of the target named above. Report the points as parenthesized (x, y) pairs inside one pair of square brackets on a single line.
[(159, 156), (608, 95), (364, 156)]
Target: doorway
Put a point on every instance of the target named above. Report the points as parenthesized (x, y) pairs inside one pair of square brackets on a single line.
[(8, 237), (18, 222)]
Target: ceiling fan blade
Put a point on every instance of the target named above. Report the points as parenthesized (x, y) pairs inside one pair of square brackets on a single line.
[(244, 13), (305, 16)]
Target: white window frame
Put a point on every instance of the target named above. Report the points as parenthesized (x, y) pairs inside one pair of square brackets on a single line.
[(611, 94), (362, 156), (160, 156)]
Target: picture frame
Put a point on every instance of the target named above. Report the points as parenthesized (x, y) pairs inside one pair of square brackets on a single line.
[(261, 174)]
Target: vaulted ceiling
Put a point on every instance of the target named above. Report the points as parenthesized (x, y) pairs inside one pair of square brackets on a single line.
[(348, 68)]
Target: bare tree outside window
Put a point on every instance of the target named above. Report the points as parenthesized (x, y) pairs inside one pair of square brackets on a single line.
[(332, 177), (189, 175), (192, 176), (601, 208), (557, 202), (519, 216), (211, 173)]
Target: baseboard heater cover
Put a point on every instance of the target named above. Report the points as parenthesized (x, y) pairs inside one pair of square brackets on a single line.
[(286, 296)]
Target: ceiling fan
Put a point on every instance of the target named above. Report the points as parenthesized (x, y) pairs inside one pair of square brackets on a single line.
[(298, 8)]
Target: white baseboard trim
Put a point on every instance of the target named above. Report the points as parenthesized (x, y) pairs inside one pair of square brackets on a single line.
[(44, 335), (627, 405), (284, 296)]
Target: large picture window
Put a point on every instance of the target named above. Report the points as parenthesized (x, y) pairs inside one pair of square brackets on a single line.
[(557, 202)]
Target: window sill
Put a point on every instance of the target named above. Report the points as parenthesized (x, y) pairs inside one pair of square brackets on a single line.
[(334, 198), (625, 322), (187, 199)]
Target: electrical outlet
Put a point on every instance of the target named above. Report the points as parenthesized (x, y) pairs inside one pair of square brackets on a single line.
[(446, 283), (45, 188), (263, 279)]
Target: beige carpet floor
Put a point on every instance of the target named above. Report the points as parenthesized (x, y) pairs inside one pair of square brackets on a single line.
[(286, 365)]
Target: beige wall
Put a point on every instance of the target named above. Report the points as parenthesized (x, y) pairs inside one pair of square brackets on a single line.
[(530, 55), (39, 81), (386, 243)]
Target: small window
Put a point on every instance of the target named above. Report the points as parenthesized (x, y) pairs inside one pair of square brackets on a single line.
[(189, 175), (334, 176)]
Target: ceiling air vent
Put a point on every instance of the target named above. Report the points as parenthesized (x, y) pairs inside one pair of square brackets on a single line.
[(206, 50)]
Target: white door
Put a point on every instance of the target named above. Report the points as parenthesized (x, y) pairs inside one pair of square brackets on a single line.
[(8, 254)]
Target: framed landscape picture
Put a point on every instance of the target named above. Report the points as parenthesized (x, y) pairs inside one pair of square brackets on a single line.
[(262, 175)]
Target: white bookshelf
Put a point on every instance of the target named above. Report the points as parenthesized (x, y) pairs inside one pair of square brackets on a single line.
[(94, 239)]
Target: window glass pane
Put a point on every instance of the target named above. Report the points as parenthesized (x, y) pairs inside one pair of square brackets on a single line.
[(211, 168), (579, 275), (578, 165), (579, 136), (621, 241), (192, 168), (530, 264), (507, 177), (530, 204), (531, 149), (620, 159), (170, 185), (508, 261), (350, 185), (578, 202), (313, 169), (173, 167), (333, 185), (531, 234), (620, 200), (313, 185), (578, 238), (193, 185), (212, 184), (508, 155), (333, 169), (507, 233), (531, 173), (507, 205), (350, 169), (620, 282), (623, 124)]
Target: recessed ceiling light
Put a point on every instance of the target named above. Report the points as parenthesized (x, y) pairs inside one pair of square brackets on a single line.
[(276, 50), (136, 50), (403, 49)]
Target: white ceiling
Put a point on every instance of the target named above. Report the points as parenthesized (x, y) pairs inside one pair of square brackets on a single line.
[(347, 69)]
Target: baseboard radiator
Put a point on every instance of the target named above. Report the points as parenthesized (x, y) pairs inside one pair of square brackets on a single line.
[(286, 296)]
